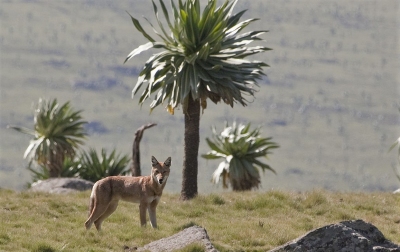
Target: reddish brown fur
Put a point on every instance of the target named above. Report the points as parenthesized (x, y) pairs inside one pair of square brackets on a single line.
[(145, 190)]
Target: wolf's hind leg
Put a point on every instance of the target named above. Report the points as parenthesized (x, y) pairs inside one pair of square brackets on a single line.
[(110, 209), (97, 211)]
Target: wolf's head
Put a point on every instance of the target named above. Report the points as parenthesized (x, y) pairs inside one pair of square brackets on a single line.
[(159, 170)]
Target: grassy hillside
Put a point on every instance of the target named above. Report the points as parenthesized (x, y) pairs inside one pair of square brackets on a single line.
[(330, 98), (234, 221)]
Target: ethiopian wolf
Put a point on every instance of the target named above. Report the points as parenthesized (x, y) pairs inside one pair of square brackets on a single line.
[(145, 190)]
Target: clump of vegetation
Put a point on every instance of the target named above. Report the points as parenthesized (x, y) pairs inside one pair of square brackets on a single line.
[(58, 137), (241, 149), (92, 167), (69, 169), (58, 132)]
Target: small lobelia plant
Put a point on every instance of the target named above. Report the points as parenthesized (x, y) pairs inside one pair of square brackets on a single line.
[(58, 132), (396, 168), (241, 150)]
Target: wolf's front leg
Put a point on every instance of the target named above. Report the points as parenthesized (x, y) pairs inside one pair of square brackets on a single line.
[(142, 209), (152, 213)]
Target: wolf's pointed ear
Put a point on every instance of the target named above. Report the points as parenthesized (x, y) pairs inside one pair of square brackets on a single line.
[(168, 162), (154, 161)]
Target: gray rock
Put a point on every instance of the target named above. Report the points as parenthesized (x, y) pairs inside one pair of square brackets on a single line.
[(346, 236), (188, 236), (61, 185)]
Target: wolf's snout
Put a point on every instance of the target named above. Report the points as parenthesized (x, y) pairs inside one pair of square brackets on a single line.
[(160, 181)]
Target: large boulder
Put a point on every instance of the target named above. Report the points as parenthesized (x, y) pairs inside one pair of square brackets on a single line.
[(355, 235), (61, 185), (188, 236)]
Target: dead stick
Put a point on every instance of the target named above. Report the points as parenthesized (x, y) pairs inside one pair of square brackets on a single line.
[(135, 167)]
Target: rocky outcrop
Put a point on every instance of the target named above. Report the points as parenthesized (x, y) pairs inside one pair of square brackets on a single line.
[(346, 236), (355, 235), (61, 185), (188, 236)]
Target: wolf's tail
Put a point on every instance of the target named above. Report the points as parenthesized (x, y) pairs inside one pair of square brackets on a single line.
[(92, 199)]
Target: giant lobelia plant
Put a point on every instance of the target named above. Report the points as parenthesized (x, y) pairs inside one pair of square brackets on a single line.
[(203, 56)]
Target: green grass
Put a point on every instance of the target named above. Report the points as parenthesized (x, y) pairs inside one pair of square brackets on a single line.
[(249, 221)]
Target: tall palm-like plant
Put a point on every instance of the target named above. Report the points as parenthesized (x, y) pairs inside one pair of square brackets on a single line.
[(241, 149), (203, 57), (58, 131)]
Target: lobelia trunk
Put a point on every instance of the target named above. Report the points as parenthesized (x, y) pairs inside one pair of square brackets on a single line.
[(191, 150), (55, 163), (54, 172)]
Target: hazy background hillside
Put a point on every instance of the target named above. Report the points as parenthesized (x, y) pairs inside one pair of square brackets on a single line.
[(330, 99)]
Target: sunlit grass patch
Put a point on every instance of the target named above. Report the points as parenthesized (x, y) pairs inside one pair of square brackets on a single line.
[(314, 199), (247, 221), (4, 239), (216, 199), (43, 247), (195, 247), (185, 225)]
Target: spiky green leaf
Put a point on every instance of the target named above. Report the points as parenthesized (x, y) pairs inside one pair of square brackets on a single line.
[(213, 49)]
